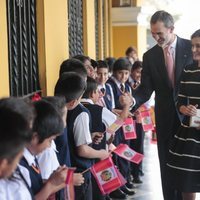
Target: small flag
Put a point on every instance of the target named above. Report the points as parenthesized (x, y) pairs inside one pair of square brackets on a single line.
[(129, 129), (147, 123), (115, 126), (107, 176), (69, 189), (36, 97), (124, 151)]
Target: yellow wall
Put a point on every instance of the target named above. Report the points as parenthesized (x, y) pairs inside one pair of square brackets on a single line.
[(52, 41), (123, 37), (4, 70), (89, 28)]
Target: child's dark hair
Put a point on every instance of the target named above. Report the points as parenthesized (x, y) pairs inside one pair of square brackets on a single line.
[(70, 85), (58, 102), (73, 65), (122, 64), (15, 131), (136, 65), (102, 64), (82, 58), (48, 121), (91, 87), (94, 63), (129, 50), (196, 34), (110, 61)]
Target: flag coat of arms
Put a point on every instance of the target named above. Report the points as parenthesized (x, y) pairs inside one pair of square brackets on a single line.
[(147, 123), (129, 129), (107, 176), (115, 126), (124, 151)]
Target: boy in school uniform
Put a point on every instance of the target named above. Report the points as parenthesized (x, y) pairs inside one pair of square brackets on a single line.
[(46, 126), (78, 124), (121, 72), (138, 143), (15, 133), (101, 119), (106, 97), (49, 160), (62, 146), (86, 60)]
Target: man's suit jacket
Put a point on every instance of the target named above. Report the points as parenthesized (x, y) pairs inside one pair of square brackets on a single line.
[(155, 78)]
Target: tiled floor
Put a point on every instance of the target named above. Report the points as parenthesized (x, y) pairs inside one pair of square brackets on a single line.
[(151, 187)]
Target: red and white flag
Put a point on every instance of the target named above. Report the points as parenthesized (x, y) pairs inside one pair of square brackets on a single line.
[(129, 129), (107, 176), (147, 123), (69, 189), (115, 126), (124, 151)]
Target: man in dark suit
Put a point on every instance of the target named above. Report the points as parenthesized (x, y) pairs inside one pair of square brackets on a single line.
[(155, 77)]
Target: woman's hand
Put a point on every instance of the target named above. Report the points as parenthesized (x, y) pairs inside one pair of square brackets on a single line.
[(189, 110)]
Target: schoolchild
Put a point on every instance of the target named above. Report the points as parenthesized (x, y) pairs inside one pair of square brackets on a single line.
[(15, 134), (101, 119), (138, 143), (46, 126), (86, 60), (75, 66), (48, 161), (106, 97), (121, 72), (49, 165), (78, 124)]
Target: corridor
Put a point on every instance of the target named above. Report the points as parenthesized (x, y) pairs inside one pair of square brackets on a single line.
[(151, 187)]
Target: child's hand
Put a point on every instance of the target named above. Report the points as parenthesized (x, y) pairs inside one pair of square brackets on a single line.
[(110, 140), (57, 179), (78, 179), (97, 137), (103, 154), (126, 99)]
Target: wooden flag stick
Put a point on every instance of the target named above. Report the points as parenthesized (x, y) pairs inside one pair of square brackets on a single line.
[(85, 171)]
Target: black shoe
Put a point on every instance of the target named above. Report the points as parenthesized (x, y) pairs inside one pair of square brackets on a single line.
[(141, 173), (107, 197), (130, 185), (137, 180), (117, 194), (127, 191)]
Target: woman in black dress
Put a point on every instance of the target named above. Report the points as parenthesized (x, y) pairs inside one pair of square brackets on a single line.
[(184, 152)]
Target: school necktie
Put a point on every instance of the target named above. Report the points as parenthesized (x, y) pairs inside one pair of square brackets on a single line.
[(169, 63), (35, 166), (122, 88), (103, 91)]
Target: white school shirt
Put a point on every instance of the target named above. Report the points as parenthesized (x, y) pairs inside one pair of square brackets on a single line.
[(48, 161), (111, 92), (15, 188), (81, 130), (108, 117), (130, 91)]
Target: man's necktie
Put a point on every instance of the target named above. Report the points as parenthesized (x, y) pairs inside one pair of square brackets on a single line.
[(169, 63), (122, 88)]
